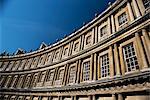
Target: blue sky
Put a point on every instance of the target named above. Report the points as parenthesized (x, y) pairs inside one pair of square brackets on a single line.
[(26, 23)]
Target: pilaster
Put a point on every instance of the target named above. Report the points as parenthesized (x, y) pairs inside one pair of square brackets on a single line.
[(96, 34), (91, 66), (79, 70), (130, 11), (120, 97), (70, 48), (55, 76), (112, 24), (141, 51), (109, 25), (111, 61), (95, 67), (65, 74), (60, 98), (136, 8), (89, 97), (93, 97), (114, 97), (93, 35), (146, 41), (116, 58), (75, 98), (61, 53), (123, 68)]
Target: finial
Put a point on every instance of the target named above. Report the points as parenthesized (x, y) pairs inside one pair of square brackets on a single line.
[(109, 3)]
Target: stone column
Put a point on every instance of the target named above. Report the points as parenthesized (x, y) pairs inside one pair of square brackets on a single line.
[(96, 34), (55, 76), (113, 97), (70, 48), (109, 26), (31, 97), (53, 55), (50, 98), (78, 72), (75, 97), (60, 98), (137, 11), (89, 97), (123, 67), (65, 75), (146, 41), (91, 66), (40, 98), (61, 53), (141, 51), (145, 34), (111, 61), (120, 97), (116, 57), (112, 24), (82, 42), (93, 97), (95, 67), (130, 11), (93, 35)]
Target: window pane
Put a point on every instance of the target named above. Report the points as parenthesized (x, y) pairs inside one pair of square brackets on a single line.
[(130, 57), (72, 74), (122, 18), (104, 65), (86, 71)]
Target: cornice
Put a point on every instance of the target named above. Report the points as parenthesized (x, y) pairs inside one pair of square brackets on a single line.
[(92, 49)]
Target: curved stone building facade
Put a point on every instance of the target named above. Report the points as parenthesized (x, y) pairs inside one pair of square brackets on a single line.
[(106, 59)]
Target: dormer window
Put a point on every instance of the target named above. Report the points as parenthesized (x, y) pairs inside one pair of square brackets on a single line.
[(76, 46), (146, 3), (122, 18), (88, 40)]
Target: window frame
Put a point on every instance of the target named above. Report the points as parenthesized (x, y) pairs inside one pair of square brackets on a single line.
[(90, 78), (122, 17), (75, 66), (123, 62), (99, 64), (58, 76), (88, 40), (27, 81), (89, 33), (47, 81)]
